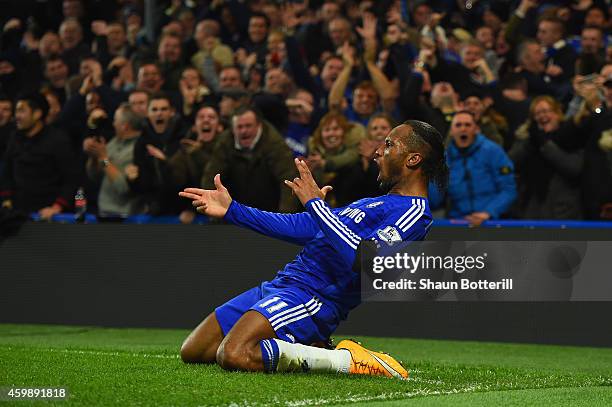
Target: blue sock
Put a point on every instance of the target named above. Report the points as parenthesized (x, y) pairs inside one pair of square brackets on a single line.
[(269, 354)]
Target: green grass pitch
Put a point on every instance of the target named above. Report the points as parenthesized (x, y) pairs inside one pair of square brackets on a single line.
[(140, 367)]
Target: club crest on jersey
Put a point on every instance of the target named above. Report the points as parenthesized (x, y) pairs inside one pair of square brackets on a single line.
[(389, 235), (374, 204)]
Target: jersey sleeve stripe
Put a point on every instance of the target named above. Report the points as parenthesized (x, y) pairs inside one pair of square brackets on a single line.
[(333, 218), (408, 213), (405, 226), (332, 227)]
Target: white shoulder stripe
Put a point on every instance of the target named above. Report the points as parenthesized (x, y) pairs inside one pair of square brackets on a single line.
[(409, 212), (338, 225), (334, 219), (405, 225), (338, 222), (332, 227)]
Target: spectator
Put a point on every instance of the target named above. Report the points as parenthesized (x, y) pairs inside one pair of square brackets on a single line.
[(317, 33), (210, 46), (108, 163), (444, 104), (594, 119), (256, 45), (169, 54), (365, 96), (592, 53), (486, 38), (301, 121), (254, 162), (360, 180), (139, 102), (532, 67), (54, 106), (110, 41), (7, 125), (196, 149), (340, 33), (193, 91), (149, 78), (548, 163), (40, 170), (481, 184), (332, 149), (73, 47), (50, 44), (491, 124), (561, 56), (160, 139), (56, 73), (271, 100), (513, 103)]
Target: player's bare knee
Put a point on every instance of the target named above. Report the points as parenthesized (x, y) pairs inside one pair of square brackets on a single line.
[(189, 354), (231, 356)]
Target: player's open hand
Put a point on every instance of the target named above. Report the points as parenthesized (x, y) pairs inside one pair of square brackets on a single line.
[(210, 202), (305, 187)]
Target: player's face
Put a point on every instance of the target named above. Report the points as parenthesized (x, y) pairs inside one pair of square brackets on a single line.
[(390, 159)]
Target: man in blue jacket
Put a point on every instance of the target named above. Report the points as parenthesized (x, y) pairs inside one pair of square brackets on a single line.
[(481, 184)]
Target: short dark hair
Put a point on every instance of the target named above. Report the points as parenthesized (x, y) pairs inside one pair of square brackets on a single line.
[(248, 108), (140, 90), (466, 112), (594, 27), (430, 142), (555, 20), (261, 15), (5, 98), (53, 58), (514, 81), (160, 95), (36, 101), (129, 116)]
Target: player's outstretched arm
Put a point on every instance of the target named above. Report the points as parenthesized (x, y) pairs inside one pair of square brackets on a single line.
[(295, 228), (210, 202)]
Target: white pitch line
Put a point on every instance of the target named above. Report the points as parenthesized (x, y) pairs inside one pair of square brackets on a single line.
[(385, 396), (102, 353)]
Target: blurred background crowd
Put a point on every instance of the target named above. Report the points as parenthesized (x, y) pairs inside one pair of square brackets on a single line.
[(121, 104)]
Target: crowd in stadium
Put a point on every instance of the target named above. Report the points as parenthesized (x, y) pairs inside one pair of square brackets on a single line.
[(128, 102)]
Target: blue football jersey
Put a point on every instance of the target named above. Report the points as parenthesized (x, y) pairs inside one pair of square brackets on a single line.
[(331, 237)]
